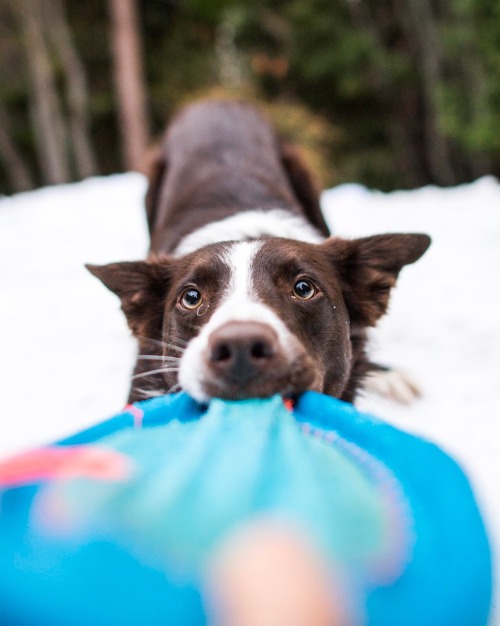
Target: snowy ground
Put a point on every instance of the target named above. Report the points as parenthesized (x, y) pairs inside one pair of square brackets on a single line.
[(66, 353)]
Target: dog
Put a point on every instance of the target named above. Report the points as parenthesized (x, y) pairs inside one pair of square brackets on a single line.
[(245, 292)]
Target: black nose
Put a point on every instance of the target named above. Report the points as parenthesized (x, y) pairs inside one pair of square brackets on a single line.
[(242, 351)]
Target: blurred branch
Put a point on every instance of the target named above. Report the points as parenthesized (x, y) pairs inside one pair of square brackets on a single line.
[(49, 128), (128, 73), (421, 25), (398, 100), (76, 86), (17, 172), (230, 73)]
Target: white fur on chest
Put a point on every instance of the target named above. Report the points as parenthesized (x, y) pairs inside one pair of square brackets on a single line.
[(250, 225)]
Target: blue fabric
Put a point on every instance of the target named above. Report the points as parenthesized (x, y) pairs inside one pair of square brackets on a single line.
[(124, 539)]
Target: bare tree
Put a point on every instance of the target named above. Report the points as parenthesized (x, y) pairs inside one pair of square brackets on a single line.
[(76, 86), (129, 79), (471, 67), (372, 22), (48, 122), (422, 25), (14, 166)]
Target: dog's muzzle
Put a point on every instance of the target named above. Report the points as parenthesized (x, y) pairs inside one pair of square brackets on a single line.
[(242, 352), (245, 359)]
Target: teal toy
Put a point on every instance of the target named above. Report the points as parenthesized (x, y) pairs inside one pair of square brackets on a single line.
[(116, 525)]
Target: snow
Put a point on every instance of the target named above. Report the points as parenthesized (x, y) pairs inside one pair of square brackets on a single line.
[(66, 353)]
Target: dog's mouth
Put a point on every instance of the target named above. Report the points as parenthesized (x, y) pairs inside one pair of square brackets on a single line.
[(287, 385)]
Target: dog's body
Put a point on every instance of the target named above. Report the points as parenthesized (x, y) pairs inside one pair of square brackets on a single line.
[(245, 294), (222, 160)]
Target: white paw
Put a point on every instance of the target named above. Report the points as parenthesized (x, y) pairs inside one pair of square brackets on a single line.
[(393, 384)]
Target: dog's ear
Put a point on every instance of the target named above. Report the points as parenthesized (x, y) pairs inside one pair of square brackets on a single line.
[(141, 287), (369, 267)]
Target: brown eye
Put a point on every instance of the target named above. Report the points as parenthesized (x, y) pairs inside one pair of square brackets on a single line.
[(191, 299), (304, 289)]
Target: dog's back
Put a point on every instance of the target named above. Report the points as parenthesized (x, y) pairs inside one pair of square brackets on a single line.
[(219, 159)]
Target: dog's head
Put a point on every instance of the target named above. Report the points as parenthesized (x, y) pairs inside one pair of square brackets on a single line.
[(252, 319)]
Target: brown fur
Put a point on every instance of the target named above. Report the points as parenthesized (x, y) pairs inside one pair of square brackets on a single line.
[(220, 158)]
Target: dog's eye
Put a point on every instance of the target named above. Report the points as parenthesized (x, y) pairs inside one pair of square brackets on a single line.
[(304, 289), (191, 299)]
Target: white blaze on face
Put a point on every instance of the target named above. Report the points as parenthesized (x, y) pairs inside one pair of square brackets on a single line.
[(239, 302)]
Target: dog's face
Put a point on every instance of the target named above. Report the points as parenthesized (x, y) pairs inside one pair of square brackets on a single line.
[(252, 319)]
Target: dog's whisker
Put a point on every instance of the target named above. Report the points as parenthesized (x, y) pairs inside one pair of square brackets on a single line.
[(162, 370), (155, 342), (150, 340), (149, 393), (165, 345), (175, 388), (172, 346), (154, 357), (182, 341)]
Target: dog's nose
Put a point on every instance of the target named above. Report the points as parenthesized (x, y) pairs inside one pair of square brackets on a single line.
[(242, 351)]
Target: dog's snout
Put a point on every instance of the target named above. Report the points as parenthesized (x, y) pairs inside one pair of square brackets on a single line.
[(242, 350), (241, 359)]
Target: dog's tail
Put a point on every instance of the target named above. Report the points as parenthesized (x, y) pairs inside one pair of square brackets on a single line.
[(303, 186), (156, 172)]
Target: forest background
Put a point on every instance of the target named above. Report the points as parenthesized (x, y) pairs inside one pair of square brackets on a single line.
[(387, 93)]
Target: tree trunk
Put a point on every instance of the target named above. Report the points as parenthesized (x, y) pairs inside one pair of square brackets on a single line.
[(422, 26), (475, 88), (14, 166), (76, 86), (49, 127), (396, 100), (129, 79)]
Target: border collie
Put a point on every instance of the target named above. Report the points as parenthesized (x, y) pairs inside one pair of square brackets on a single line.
[(245, 293)]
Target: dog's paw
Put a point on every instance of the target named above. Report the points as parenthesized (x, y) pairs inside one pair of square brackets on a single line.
[(393, 384)]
